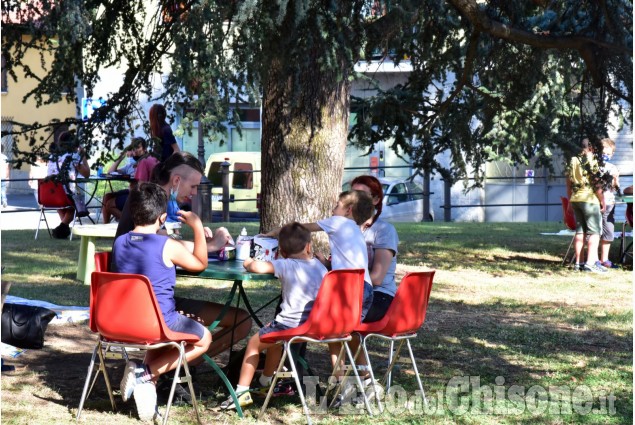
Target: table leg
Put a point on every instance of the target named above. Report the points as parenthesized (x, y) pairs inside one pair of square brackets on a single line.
[(252, 312), (81, 261), (223, 312), (86, 261)]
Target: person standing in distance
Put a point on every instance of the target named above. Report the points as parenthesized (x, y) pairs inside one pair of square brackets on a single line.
[(160, 129)]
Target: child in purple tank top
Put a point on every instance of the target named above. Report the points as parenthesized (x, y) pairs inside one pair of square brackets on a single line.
[(143, 251)]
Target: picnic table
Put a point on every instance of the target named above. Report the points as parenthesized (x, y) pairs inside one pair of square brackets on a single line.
[(231, 270), (89, 233)]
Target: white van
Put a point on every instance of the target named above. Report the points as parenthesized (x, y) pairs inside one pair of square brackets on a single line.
[(244, 182)]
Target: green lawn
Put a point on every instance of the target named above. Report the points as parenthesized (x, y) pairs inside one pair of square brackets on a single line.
[(510, 336)]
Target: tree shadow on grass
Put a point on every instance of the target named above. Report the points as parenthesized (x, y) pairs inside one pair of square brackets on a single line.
[(537, 344), (525, 348)]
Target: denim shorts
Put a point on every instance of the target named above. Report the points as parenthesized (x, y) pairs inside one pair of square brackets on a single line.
[(367, 301), (272, 327), (187, 326)]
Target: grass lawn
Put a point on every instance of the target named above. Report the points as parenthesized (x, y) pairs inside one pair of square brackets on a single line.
[(510, 337)]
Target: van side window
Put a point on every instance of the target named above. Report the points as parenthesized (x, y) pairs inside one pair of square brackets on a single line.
[(214, 176), (243, 176)]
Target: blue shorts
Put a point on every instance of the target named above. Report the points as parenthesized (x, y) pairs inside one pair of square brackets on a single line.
[(272, 327), (187, 326), (367, 301)]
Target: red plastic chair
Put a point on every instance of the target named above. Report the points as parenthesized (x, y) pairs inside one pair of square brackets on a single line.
[(404, 317), (628, 220), (568, 218), (335, 313), (51, 195), (125, 314), (102, 261)]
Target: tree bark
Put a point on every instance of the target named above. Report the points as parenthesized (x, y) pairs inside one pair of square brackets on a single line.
[(303, 143)]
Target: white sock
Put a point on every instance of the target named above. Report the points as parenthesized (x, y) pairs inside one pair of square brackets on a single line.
[(265, 381), (241, 389)]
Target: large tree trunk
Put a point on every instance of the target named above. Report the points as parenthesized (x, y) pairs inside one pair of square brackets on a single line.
[(303, 143)]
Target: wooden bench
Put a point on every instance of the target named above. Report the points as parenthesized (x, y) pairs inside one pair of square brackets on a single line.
[(88, 233)]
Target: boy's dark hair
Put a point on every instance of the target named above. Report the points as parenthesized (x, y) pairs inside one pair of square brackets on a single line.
[(138, 141), (361, 204), (147, 203), (293, 238)]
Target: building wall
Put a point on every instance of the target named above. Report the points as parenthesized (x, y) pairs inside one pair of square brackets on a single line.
[(13, 108)]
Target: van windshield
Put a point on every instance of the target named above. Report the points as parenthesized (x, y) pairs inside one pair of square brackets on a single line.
[(243, 176), (214, 176)]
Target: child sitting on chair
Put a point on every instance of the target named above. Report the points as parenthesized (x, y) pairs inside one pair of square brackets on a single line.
[(143, 251), (346, 240), (300, 277)]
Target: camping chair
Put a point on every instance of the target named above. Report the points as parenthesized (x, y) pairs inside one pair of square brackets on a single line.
[(401, 322), (568, 218), (51, 195), (125, 314), (628, 220), (335, 313)]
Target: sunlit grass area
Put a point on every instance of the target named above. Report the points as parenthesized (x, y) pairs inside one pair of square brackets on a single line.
[(504, 315)]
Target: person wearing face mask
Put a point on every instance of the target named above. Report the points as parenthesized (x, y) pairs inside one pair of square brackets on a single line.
[(179, 176), (611, 181), (139, 165)]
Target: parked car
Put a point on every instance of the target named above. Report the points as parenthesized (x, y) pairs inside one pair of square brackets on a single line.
[(403, 200)]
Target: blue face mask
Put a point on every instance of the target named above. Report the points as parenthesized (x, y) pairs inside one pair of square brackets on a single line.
[(606, 158), (173, 206)]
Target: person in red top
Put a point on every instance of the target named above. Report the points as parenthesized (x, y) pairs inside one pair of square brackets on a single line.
[(138, 150)]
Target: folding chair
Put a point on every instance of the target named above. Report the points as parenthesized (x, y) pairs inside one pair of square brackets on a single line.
[(404, 317), (568, 218), (51, 195), (335, 313), (125, 314), (628, 220)]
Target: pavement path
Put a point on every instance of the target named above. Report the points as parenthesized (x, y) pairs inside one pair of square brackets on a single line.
[(22, 212)]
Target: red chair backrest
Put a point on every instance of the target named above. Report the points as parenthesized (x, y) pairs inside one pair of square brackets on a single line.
[(102, 261), (629, 214), (407, 311), (338, 306), (51, 194), (123, 308), (567, 215)]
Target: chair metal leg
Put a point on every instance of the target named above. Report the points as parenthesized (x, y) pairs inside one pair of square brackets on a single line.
[(273, 384), (182, 361), (340, 385), (388, 377), (97, 352), (414, 366), (372, 374), (86, 383), (287, 347), (566, 256), (357, 378)]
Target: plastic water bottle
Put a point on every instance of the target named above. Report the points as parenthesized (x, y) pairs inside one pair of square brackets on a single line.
[(242, 246)]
